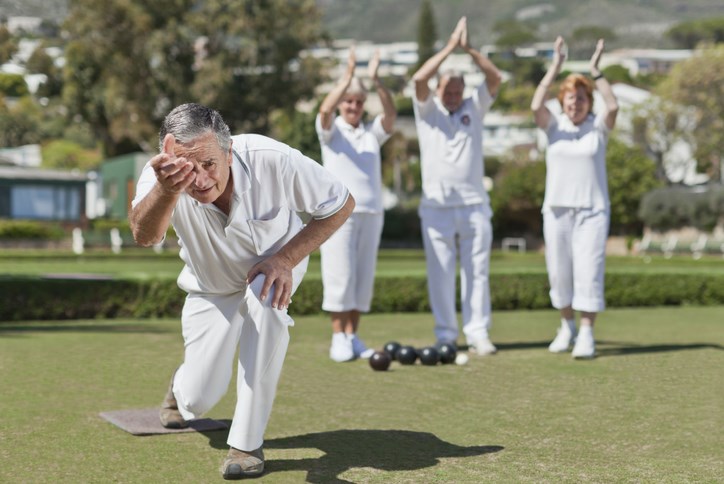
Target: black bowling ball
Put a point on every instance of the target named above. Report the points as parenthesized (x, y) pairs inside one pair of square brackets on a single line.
[(447, 353), (406, 355), (391, 348), (429, 356), (380, 361)]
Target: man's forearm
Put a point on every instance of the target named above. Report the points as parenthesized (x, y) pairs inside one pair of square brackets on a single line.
[(314, 234), (150, 219), (492, 74)]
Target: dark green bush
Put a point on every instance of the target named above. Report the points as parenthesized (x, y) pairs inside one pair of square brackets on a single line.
[(13, 85), (26, 298), (517, 198), (402, 226), (29, 230)]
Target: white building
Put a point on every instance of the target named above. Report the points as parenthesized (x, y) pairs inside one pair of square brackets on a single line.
[(27, 155)]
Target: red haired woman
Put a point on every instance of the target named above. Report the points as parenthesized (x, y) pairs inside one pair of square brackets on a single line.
[(576, 206)]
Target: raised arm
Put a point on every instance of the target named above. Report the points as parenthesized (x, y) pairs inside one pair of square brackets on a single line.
[(604, 87), (431, 66), (150, 219), (388, 106), (492, 74), (331, 100), (277, 268), (541, 114)]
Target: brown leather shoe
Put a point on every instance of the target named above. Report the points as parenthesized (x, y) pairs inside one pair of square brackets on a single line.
[(170, 416), (239, 464)]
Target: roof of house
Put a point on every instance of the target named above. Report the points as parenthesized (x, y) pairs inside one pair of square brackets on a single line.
[(25, 173)]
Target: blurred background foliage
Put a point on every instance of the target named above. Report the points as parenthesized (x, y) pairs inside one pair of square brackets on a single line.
[(128, 63)]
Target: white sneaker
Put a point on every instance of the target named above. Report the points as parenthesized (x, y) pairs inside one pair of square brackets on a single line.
[(359, 348), (563, 340), (341, 349), (585, 346), (482, 346)]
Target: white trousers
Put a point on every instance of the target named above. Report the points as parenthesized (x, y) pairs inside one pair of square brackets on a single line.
[(447, 233), (213, 327), (349, 258), (575, 249)]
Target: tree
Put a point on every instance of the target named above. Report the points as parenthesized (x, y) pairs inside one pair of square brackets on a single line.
[(616, 73), (8, 46), (514, 98), (631, 174), (426, 34), (517, 197), (65, 154), (41, 63), (251, 63), (13, 85), (117, 60), (688, 35), (512, 34), (129, 63), (19, 124), (696, 88), (297, 129)]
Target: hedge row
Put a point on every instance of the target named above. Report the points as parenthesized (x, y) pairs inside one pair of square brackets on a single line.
[(25, 298)]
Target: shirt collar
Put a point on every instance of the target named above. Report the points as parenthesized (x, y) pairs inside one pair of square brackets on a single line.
[(241, 172), (342, 124)]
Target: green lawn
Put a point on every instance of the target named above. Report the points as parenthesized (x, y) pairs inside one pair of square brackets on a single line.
[(140, 263), (649, 409)]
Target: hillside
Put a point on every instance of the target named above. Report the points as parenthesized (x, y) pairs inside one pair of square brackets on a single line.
[(637, 23)]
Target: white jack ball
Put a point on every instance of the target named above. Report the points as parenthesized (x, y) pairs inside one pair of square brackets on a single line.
[(461, 359)]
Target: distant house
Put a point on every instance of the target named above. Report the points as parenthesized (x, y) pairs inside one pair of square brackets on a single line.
[(118, 182), (39, 194), (26, 155), (645, 61), (19, 24)]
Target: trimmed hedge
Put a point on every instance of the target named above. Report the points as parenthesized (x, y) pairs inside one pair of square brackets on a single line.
[(25, 298), (29, 230)]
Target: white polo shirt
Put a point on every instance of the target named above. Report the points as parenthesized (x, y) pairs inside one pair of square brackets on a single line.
[(272, 182), (451, 150), (576, 163), (353, 155)]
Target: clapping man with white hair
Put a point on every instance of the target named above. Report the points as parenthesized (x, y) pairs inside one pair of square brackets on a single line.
[(455, 209)]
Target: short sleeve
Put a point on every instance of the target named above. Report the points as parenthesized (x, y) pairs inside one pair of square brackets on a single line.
[(325, 135), (311, 188), (482, 98), (599, 123), (145, 183), (423, 108), (378, 131)]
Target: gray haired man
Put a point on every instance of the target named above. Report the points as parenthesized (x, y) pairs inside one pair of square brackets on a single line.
[(233, 202)]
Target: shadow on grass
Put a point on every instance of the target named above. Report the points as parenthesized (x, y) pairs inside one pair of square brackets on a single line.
[(7, 330), (519, 345), (614, 348), (385, 450)]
